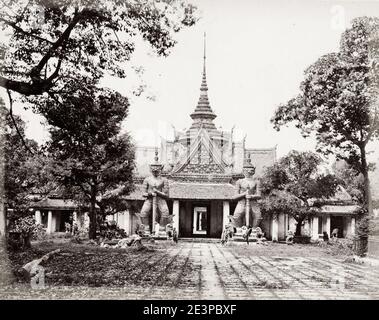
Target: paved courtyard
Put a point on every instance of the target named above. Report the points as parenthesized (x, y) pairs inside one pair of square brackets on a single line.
[(233, 273), (195, 270)]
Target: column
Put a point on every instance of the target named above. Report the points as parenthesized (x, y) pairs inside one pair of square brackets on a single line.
[(352, 226), (315, 228), (175, 213), (38, 217), (74, 217), (226, 213), (275, 228), (49, 222), (327, 225), (74, 221), (127, 222), (86, 220)]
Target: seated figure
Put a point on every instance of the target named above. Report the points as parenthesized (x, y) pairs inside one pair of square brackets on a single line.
[(289, 238)]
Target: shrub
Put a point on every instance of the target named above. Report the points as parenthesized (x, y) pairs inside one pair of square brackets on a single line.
[(22, 230)]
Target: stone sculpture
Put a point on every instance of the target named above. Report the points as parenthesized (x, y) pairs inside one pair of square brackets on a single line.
[(155, 207), (247, 212)]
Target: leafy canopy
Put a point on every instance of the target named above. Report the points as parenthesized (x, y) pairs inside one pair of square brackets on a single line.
[(54, 45), (338, 98), (91, 157), (293, 184)]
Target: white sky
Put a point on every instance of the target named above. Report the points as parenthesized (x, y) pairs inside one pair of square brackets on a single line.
[(256, 53)]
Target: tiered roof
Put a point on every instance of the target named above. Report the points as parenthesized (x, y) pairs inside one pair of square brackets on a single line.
[(203, 115)]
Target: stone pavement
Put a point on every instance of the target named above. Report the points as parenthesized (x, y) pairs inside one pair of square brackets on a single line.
[(195, 270), (227, 273)]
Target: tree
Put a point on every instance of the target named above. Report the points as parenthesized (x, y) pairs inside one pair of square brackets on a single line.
[(91, 159), (351, 179), (53, 44), (338, 99), (19, 176), (293, 186)]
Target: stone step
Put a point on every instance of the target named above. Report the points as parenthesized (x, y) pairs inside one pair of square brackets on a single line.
[(203, 240)]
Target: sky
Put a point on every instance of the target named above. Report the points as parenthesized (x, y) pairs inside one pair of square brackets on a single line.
[(256, 52)]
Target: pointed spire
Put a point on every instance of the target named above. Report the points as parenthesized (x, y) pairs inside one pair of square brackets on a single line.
[(203, 112), (205, 51)]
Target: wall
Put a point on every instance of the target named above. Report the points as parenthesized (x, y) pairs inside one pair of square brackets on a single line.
[(216, 219), (185, 219)]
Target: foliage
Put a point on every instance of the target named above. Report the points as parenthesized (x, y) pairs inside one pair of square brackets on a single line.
[(338, 99), (109, 230), (26, 228), (293, 184), (91, 159), (19, 165), (80, 233), (39, 233), (364, 224), (54, 45), (351, 179), (24, 175)]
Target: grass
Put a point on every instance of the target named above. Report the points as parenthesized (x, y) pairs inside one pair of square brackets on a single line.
[(90, 265)]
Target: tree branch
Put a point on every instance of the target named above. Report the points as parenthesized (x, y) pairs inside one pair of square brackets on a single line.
[(15, 124), (39, 85), (19, 29)]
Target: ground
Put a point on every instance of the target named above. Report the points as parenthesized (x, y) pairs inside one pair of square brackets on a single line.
[(198, 270)]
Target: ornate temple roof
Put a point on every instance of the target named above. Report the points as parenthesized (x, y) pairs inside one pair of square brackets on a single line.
[(56, 204), (209, 191), (182, 190), (203, 115)]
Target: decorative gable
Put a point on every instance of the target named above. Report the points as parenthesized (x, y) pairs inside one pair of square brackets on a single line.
[(203, 157)]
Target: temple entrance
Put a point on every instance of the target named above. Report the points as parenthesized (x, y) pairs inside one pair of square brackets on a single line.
[(200, 219), (64, 217), (337, 222)]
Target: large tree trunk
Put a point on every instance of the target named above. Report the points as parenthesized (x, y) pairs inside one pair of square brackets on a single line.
[(92, 214), (367, 189), (6, 275)]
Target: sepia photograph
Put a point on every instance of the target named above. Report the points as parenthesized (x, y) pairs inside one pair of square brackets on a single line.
[(189, 150)]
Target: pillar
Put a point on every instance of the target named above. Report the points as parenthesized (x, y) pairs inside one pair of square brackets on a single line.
[(74, 217), (38, 217), (86, 220), (315, 228), (352, 226), (175, 213), (226, 214), (127, 222), (275, 228), (49, 222), (327, 225)]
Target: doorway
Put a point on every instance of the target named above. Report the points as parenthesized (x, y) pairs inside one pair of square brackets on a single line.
[(337, 222)]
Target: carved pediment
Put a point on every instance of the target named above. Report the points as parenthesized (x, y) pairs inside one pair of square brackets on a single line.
[(203, 158)]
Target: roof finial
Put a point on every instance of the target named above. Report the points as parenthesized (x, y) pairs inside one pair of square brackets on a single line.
[(205, 43)]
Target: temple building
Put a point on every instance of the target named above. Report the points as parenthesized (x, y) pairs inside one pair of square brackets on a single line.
[(201, 166)]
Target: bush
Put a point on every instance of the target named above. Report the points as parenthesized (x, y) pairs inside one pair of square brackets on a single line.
[(109, 230), (21, 232), (39, 233), (80, 233), (364, 225)]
